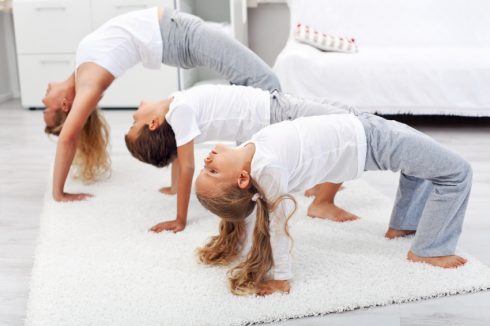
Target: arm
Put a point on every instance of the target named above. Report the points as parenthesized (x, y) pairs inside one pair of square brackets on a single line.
[(280, 243), (91, 81), (185, 153), (273, 182)]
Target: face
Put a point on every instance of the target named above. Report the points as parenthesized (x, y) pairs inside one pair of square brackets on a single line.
[(148, 113), (222, 166), (58, 99)]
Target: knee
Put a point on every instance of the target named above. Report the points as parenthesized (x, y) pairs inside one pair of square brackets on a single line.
[(465, 174), (268, 81)]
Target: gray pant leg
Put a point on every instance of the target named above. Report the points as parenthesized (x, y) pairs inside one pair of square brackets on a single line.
[(189, 42), (438, 208), (238, 64), (335, 104), (410, 201), (288, 107)]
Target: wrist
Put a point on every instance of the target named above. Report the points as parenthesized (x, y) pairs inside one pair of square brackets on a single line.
[(57, 196), (182, 220)]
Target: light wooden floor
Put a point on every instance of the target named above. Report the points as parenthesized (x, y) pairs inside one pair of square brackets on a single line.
[(25, 158)]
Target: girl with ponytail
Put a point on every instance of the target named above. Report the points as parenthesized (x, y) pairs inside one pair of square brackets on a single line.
[(266, 267), (292, 156)]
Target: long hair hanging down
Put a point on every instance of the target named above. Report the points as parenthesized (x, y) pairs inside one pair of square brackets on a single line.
[(92, 156), (233, 205)]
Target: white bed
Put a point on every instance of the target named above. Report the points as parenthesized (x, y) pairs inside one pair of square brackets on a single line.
[(414, 56)]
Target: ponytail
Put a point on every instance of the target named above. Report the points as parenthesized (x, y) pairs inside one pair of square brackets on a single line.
[(233, 206)]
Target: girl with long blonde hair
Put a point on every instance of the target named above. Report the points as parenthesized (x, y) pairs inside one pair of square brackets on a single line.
[(234, 205), (293, 156)]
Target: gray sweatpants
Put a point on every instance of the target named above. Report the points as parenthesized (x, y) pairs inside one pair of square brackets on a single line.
[(288, 107), (189, 42), (434, 186)]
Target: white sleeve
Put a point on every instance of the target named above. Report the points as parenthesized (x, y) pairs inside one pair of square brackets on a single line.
[(183, 121), (274, 184)]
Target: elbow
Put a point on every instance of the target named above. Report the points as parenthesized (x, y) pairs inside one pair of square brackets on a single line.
[(67, 139), (189, 169)]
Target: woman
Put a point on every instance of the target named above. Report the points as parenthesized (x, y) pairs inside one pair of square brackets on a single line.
[(151, 36)]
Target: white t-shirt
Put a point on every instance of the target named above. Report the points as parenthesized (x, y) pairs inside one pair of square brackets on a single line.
[(124, 41), (293, 156), (212, 112)]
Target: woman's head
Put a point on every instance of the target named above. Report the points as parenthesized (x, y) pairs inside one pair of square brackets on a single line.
[(92, 156), (58, 101), (151, 139)]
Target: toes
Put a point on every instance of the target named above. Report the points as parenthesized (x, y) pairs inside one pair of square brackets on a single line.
[(350, 218)]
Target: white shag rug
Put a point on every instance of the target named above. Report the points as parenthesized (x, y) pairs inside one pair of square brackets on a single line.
[(96, 264)]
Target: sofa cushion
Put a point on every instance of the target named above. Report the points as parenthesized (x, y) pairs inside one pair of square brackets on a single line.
[(405, 23), (391, 80)]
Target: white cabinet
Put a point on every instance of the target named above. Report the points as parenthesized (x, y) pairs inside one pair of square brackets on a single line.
[(48, 32), (37, 70), (103, 10), (50, 26)]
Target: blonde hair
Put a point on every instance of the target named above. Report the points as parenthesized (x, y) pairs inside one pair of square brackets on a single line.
[(92, 157), (233, 205)]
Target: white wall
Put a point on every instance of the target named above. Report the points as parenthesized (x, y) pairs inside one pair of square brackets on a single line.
[(5, 91), (9, 85), (268, 30)]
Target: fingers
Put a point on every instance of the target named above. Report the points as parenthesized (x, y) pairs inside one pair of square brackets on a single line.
[(167, 226), (266, 290), (75, 197), (85, 196), (161, 227), (167, 191)]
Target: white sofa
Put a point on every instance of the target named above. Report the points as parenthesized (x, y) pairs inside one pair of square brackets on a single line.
[(415, 56)]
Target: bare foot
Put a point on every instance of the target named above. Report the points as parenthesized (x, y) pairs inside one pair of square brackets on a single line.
[(331, 212), (442, 261), (311, 192), (393, 233), (167, 191)]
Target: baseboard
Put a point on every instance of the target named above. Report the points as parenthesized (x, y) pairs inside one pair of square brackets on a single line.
[(5, 97)]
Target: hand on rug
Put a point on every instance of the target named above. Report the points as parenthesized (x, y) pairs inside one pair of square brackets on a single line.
[(174, 226), (168, 190), (72, 197), (271, 286)]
